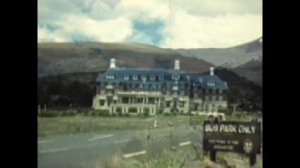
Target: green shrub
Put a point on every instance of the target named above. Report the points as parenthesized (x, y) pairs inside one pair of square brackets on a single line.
[(49, 114)]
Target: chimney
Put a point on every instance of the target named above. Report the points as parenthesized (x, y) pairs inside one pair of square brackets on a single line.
[(177, 65), (112, 63), (211, 71)]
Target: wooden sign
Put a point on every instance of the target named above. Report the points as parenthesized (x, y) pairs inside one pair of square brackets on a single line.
[(240, 137)]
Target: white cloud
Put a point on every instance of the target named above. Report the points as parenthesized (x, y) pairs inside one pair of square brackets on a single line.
[(44, 35), (194, 23), (189, 31), (219, 7), (108, 31)]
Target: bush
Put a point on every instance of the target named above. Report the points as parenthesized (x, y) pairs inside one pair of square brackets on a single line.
[(68, 113), (100, 113), (49, 114), (146, 114), (167, 114)]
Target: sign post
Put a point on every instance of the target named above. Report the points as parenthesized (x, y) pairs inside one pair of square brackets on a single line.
[(252, 159), (232, 136)]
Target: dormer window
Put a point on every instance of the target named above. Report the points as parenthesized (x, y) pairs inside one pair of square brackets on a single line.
[(175, 76), (144, 78), (126, 77), (211, 84), (152, 78), (110, 76)]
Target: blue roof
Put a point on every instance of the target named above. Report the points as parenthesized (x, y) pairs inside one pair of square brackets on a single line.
[(208, 81), (154, 76)]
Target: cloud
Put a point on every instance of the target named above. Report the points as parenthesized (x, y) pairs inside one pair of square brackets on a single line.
[(219, 7), (46, 35), (184, 24), (205, 32), (108, 30)]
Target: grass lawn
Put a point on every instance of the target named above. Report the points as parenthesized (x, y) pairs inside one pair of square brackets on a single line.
[(49, 126)]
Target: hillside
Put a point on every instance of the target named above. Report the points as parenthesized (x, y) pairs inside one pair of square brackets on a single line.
[(61, 58), (244, 59), (252, 70), (233, 56)]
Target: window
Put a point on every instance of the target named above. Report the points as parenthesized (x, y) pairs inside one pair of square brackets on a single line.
[(139, 100), (102, 102), (125, 100), (196, 106), (151, 100), (119, 110), (181, 104), (135, 77), (161, 77), (217, 91), (211, 84), (152, 78), (220, 98), (175, 76), (126, 77), (110, 76), (146, 110), (132, 110), (186, 85), (144, 77), (168, 103)]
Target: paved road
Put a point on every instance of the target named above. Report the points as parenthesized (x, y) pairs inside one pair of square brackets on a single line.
[(88, 149)]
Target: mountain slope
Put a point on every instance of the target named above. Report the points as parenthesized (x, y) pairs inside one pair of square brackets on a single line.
[(251, 70), (61, 58), (233, 56)]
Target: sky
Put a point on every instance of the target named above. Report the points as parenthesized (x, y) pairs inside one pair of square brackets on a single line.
[(163, 23)]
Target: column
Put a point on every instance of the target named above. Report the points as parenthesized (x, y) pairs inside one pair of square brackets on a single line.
[(142, 110)]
